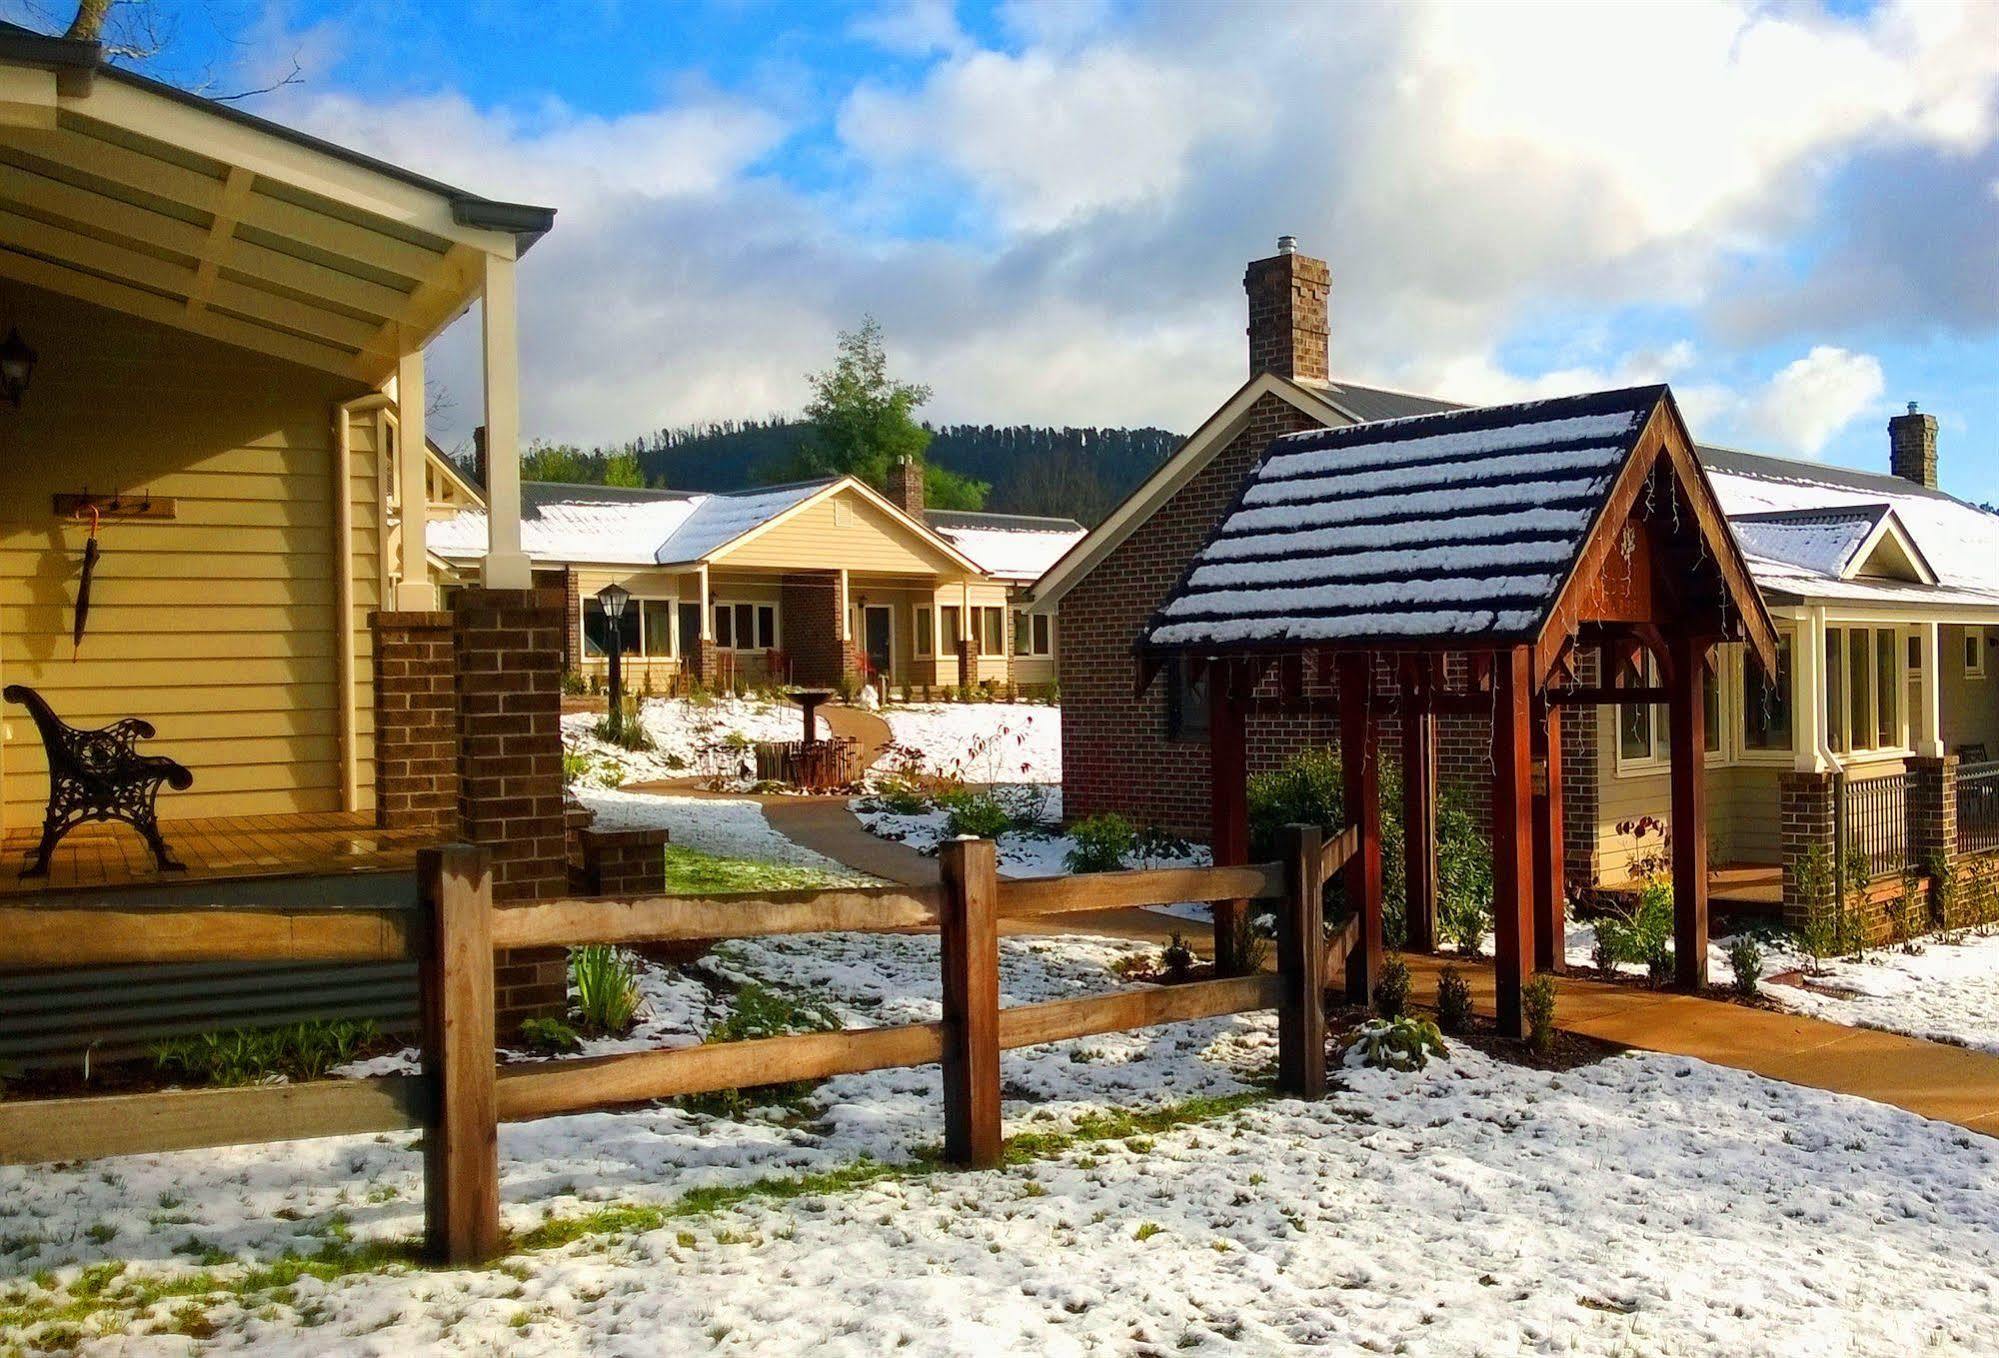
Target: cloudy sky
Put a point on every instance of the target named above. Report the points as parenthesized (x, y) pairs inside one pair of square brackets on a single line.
[(1790, 211)]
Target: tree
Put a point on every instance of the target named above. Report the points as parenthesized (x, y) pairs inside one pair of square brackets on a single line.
[(622, 468), (562, 462), (863, 422)]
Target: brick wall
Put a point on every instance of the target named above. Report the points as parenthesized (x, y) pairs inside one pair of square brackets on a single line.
[(623, 862), (416, 722), (1288, 316), (812, 630), (1932, 810), (1805, 805), (508, 646)]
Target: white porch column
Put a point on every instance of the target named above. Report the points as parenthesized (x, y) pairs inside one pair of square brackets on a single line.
[(707, 608), (414, 592), (846, 610), (1808, 694), (506, 565), (1926, 722)]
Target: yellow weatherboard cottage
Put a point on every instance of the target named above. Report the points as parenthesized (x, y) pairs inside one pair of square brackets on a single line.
[(228, 321)]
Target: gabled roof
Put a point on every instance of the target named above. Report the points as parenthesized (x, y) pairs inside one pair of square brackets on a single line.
[(1014, 547), (1462, 525), (1840, 542), (628, 526)]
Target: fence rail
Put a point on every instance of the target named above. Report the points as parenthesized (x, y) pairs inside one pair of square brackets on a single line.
[(1872, 819), (462, 1095), (1978, 807)]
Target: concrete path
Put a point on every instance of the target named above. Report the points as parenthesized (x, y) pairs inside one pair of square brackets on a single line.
[(1936, 1080), (865, 729)]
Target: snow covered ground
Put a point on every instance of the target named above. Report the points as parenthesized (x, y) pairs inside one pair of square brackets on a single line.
[(983, 742), (681, 729), (1021, 853), (1946, 993), (731, 827), (1644, 1205)]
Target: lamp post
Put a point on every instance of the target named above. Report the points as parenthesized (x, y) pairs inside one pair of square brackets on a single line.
[(613, 598)]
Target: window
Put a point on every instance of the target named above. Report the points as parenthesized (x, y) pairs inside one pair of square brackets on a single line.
[(953, 627), (1641, 727), (1186, 703), (1974, 653), (596, 629), (746, 627), (992, 633), (1711, 708), (1044, 632), (1864, 688), (925, 635), (766, 627), (1766, 703), (656, 626), (725, 626), (1022, 635)]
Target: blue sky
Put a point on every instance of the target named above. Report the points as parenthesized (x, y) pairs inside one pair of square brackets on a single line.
[(1789, 212)]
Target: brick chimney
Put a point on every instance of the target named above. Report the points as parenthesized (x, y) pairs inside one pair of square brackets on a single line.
[(905, 486), (1288, 328), (1912, 447)]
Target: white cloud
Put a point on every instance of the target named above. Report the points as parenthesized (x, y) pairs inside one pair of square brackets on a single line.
[(1811, 399), (1467, 176), (911, 28)]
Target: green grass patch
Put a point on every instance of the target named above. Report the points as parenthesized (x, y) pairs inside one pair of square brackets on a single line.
[(107, 1295), (690, 872)]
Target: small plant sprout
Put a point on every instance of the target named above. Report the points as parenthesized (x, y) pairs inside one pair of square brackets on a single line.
[(1454, 1011), (1403, 1044), (604, 984), (1745, 959), (1537, 1004), (1391, 992), (1177, 958)]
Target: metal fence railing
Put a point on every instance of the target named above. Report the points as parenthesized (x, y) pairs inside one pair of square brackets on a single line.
[(1873, 818), (1978, 807)]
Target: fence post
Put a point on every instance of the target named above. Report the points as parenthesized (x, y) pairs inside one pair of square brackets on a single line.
[(1301, 960), (969, 944), (461, 1144)]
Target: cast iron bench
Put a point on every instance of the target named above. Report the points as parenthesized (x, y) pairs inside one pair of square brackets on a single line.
[(98, 775)]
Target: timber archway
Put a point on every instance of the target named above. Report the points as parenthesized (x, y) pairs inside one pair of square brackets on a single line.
[(1466, 562)]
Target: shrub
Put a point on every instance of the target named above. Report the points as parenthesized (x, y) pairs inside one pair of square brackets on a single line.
[(1638, 932), (755, 1011), (1250, 944), (575, 766), (627, 733), (1905, 912), (1858, 872), (1403, 1044), (900, 797), (1391, 992), (1102, 843), (1177, 958), (1454, 1010), (977, 814), (1813, 877), (574, 684), (1745, 959), (242, 1056), (1537, 1004), (550, 1035), (605, 984), (1464, 876), (1305, 791)]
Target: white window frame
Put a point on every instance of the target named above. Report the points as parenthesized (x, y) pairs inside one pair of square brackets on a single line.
[(1971, 651), (1659, 757), (923, 627), (631, 630), (1774, 757), (1042, 625), (1868, 750), (986, 613), (735, 642)]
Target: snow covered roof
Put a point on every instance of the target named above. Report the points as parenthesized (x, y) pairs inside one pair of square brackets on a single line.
[(1458, 524), (594, 524), (1958, 542), (719, 519), (1017, 547)]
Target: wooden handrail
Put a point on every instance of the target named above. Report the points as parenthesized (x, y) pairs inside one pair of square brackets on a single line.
[(746, 915), (37, 1130), (1338, 850), (83, 936), (1025, 897)]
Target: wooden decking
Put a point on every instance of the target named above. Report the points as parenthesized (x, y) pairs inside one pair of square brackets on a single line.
[(218, 849), (1744, 886)]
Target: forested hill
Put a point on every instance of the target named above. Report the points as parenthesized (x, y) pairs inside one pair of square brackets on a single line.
[(1078, 473)]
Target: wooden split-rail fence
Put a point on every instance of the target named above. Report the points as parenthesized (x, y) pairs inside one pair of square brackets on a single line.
[(461, 1096)]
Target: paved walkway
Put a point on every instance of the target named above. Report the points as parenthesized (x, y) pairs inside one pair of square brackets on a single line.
[(1934, 1079)]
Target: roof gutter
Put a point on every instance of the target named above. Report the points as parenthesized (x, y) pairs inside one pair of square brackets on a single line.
[(74, 61)]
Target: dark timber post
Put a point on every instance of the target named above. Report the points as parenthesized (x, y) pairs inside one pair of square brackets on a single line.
[(1512, 831), (969, 944), (1228, 803), (1360, 766), (1688, 738), (461, 1144), (1550, 885), (1419, 825), (1301, 960)]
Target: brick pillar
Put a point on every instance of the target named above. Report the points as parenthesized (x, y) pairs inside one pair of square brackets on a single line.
[(1580, 774), (624, 862), (510, 793), (1805, 807), (968, 662), (572, 617), (416, 722), (1932, 809)]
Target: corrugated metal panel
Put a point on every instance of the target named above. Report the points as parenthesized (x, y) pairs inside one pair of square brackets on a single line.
[(51, 1018)]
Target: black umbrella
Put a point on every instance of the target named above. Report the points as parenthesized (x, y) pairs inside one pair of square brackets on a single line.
[(90, 551)]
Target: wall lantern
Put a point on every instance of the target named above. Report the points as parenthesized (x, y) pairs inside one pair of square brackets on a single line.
[(17, 365)]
